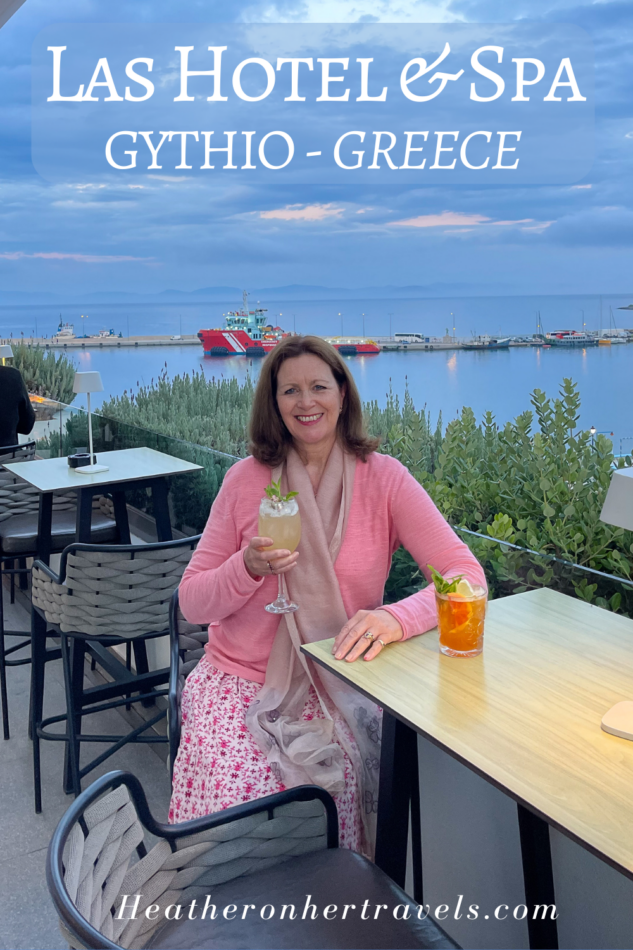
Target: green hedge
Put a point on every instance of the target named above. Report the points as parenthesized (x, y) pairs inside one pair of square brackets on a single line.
[(45, 372), (540, 488), (531, 490)]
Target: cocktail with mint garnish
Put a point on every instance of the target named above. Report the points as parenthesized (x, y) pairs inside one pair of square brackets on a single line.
[(461, 611), (280, 520)]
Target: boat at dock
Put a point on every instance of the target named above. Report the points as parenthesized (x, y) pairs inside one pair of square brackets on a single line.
[(247, 333), (353, 345), (65, 330), (571, 338), (486, 342)]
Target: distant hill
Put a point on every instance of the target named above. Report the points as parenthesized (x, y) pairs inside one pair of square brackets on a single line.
[(234, 294)]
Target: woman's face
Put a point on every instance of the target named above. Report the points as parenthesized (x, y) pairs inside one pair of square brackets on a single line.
[(309, 399)]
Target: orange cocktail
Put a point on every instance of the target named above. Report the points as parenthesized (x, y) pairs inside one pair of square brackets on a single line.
[(460, 619)]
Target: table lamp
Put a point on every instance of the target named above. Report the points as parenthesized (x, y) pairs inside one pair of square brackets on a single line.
[(89, 383), (618, 510), (5, 352)]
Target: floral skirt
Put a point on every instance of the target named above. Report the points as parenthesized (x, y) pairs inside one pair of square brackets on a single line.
[(219, 763)]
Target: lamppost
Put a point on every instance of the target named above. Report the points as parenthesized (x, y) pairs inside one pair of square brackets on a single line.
[(83, 332), (583, 319), (340, 315), (363, 324), (593, 431)]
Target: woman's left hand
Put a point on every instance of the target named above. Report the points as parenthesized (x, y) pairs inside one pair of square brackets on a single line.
[(352, 642)]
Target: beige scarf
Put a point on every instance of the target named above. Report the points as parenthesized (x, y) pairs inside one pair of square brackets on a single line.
[(301, 751)]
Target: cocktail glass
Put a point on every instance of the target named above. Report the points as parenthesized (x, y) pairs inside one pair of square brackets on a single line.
[(460, 619), (280, 520)]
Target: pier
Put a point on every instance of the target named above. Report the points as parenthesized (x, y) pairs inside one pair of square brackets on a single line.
[(105, 342)]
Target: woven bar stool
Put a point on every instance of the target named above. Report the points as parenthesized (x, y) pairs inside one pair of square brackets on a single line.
[(279, 850), (104, 595), (19, 506)]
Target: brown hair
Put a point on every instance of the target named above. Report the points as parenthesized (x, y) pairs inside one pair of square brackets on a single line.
[(270, 439)]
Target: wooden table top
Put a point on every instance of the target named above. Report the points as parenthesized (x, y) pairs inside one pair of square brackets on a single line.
[(526, 713), (124, 465)]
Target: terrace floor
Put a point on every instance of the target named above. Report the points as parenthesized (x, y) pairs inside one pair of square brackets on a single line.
[(28, 920)]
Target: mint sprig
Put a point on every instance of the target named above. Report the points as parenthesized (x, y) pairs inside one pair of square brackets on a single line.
[(442, 585), (274, 492)]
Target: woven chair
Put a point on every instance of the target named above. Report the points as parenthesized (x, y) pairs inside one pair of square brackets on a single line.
[(19, 506), (104, 595), (110, 892), (187, 642)]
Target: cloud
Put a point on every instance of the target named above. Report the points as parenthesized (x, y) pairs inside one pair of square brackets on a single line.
[(80, 258), (580, 187), (539, 226), (517, 221), (314, 212), (465, 222), (446, 218)]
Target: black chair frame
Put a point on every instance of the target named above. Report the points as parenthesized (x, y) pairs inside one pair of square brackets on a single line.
[(173, 717), (68, 913), (143, 686), (22, 572)]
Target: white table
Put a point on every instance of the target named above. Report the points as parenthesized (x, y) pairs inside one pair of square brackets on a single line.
[(127, 469)]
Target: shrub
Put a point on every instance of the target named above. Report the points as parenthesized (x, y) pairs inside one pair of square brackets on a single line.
[(45, 372), (541, 491), (526, 496)]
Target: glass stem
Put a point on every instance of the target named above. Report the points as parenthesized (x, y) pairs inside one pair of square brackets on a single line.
[(282, 595)]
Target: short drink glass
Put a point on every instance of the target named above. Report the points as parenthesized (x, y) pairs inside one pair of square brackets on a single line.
[(460, 619)]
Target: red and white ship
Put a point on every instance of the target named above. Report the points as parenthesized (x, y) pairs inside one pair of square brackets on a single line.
[(248, 334)]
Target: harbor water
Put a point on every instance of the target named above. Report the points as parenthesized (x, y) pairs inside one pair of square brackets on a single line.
[(444, 381)]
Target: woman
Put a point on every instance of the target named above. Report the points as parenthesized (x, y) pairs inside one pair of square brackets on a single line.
[(256, 716)]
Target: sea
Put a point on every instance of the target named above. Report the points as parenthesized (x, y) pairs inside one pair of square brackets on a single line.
[(499, 381)]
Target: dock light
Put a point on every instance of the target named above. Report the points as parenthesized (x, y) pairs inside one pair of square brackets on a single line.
[(618, 510), (89, 383), (5, 352)]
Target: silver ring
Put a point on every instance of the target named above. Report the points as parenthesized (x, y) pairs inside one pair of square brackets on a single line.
[(381, 642), (369, 636), (270, 567)]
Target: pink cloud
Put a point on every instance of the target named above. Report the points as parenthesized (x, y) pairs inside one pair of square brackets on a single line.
[(465, 222), (518, 221), (81, 258), (316, 212), (446, 218)]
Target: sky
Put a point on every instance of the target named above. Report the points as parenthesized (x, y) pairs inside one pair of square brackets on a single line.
[(184, 233)]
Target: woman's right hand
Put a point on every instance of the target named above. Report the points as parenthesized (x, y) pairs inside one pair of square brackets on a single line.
[(260, 562)]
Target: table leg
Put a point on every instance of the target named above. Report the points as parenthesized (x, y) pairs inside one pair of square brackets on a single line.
[(160, 506), (38, 662), (45, 527), (539, 880), (416, 829), (120, 516), (84, 515), (398, 759)]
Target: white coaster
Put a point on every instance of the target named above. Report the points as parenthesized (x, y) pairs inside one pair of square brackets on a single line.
[(619, 720)]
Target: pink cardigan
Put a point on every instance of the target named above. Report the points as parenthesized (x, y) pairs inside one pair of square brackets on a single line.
[(389, 508)]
